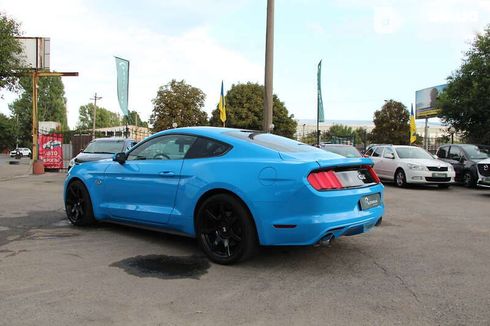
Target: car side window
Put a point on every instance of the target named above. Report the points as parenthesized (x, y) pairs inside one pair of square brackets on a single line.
[(205, 147), (168, 147), (378, 151), (369, 152), (455, 153), (442, 152)]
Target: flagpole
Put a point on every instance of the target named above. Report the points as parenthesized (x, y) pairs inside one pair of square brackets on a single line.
[(317, 124)]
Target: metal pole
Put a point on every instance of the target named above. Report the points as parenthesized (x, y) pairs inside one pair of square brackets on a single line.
[(269, 62), (426, 131), (34, 117), (95, 98)]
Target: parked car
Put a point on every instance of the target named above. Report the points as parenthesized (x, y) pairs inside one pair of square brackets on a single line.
[(464, 158), (102, 148), (410, 164), (483, 169), (23, 151), (344, 150), (231, 189)]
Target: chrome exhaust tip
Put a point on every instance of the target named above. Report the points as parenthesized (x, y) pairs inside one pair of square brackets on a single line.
[(326, 241)]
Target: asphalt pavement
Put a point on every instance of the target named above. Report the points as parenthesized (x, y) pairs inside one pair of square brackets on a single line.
[(427, 264)]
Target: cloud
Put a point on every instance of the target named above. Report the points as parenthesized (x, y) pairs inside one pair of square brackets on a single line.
[(86, 39)]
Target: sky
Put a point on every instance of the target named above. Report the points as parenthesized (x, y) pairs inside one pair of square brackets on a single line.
[(372, 50)]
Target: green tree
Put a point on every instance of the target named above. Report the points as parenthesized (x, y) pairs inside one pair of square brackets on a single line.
[(51, 105), (7, 132), (391, 124), (180, 103), (103, 117), (245, 109), (465, 103), (362, 136), (10, 51), (135, 119), (309, 138)]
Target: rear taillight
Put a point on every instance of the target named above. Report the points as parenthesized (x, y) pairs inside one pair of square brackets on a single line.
[(346, 178), (373, 174), (324, 180)]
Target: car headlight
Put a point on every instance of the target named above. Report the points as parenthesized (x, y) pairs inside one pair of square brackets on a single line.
[(72, 162), (416, 167), (450, 168)]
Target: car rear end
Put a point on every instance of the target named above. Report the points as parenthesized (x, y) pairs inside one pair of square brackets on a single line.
[(330, 198)]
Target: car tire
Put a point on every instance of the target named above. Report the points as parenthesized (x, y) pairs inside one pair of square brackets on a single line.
[(400, 178), (225, 230), (78, 205), (379, 221), (468, 180)]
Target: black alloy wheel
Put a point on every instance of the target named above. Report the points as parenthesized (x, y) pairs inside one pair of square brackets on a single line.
[(468, 180), (225, 230), (400, 178), (78, 205)]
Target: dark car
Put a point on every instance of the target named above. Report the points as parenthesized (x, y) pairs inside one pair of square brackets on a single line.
[(464, 158), (102, 148), (341, 149)]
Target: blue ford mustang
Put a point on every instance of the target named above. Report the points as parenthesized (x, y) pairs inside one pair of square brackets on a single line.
[(231, 189)]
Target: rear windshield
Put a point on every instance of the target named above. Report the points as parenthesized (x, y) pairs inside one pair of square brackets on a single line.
[(105, 147), (346, 151), (274, 142)]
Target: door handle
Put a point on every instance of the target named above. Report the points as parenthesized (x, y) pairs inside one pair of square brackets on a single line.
[(167, 174)]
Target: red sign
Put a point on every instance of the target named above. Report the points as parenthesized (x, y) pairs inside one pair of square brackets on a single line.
[(51, 151)]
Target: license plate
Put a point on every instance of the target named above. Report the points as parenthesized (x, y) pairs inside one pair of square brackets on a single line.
[(370, 201), (439, 175)]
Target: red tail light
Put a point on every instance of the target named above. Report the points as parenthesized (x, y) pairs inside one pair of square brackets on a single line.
[(347, 177), (324, 180), (373, 174)]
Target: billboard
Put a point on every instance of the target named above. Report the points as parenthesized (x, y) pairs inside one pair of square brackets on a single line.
[(425, 102), (35, 52), (51, 151)]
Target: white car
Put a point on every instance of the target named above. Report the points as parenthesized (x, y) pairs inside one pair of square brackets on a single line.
[(22, 150), (410, 164), (483, 168)]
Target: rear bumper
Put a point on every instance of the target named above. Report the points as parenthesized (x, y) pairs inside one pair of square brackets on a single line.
[(303, 223)]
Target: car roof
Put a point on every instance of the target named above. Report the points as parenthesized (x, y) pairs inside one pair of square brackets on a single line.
[(337, 145), (112, 139)]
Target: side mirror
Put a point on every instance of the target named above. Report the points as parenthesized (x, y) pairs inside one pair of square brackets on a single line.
[(435, 156), (390, 156), (119, 157)]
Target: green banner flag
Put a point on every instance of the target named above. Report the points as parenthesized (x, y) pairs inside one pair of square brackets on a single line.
[(122, 67), (319, 103)]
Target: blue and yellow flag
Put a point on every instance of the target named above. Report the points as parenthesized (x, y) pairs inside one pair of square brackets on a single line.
[(319, 103), (122, 67), (222, 106), (413, 127)]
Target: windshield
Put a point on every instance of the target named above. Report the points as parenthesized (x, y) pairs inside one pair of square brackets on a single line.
[(105, 147), (274, 142), (346, 151), (413, 152), (474, 152)]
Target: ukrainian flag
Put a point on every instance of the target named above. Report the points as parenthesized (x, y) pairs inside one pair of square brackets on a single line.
[(413, 127), (222, 106)]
